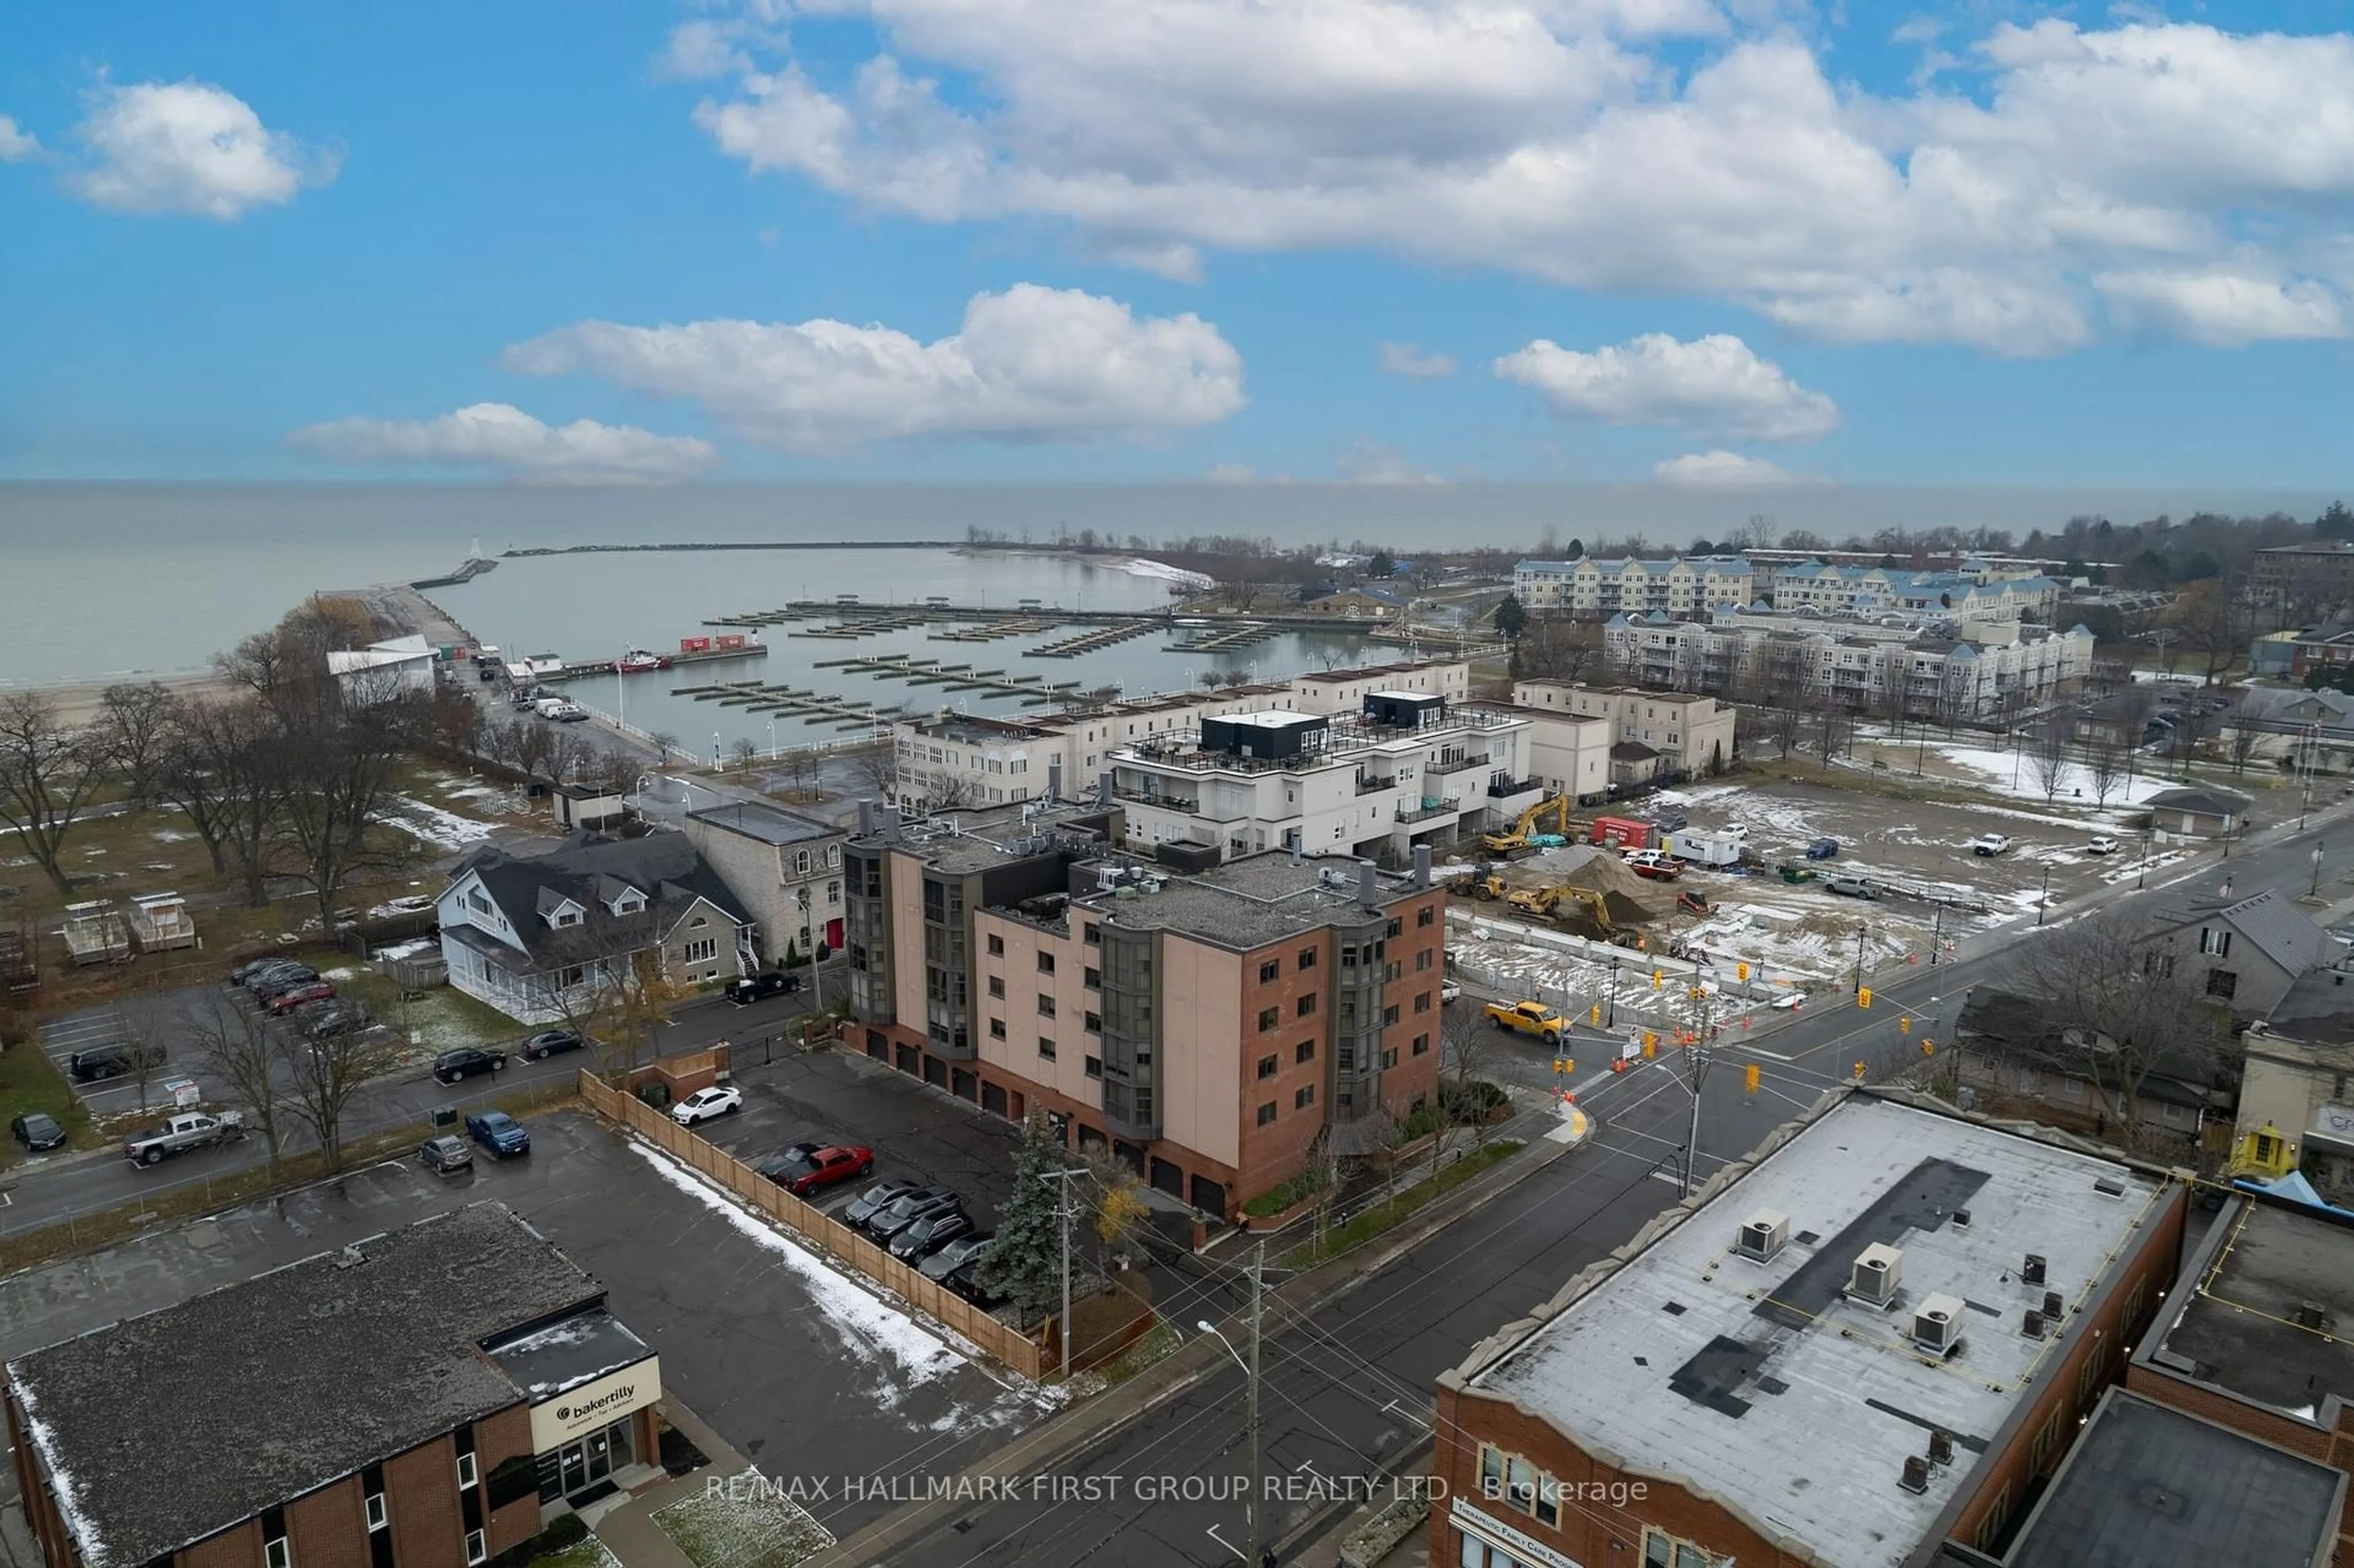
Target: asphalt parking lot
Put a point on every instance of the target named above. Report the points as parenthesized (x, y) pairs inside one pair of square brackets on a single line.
[(801, 1370), (836, 1096), (94, 1028)]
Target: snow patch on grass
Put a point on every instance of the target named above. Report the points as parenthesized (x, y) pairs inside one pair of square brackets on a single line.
[(444, 830), (743, 1521)]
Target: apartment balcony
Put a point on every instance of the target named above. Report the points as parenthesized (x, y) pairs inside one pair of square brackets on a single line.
[(1460, 764), (1428, 812), (1503, 788), (1151, 798), (1371, 786)]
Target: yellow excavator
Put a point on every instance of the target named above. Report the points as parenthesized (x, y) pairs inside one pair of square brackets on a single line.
[(1577, 909), (1528, 828)]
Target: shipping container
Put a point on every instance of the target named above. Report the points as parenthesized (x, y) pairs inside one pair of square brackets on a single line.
[(732, 640), (1624, 832), (695, 644)]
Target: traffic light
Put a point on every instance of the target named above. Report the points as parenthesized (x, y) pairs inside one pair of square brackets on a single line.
[(1863, 996), (1655, 980), (1904, 1026), (1859, 1072), (1928, 1047), (1741, 971), (1650, 1043), (1593, 1014), (1749, 1076)]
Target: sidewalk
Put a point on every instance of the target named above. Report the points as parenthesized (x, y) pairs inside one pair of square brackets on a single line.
[(626, 1525)]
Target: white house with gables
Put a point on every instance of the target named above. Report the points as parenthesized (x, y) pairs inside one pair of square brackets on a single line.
[(541, 935)]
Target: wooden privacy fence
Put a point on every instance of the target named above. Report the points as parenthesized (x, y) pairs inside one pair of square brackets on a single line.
[(829, 1236)]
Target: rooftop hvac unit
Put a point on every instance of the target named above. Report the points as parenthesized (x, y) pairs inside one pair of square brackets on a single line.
[(1915, 1478), (2032, 1324), (2052, 1305), (2311, 1315), (2031, 1271), (1878, 1270), (1762, 1234), (1937, 1325)]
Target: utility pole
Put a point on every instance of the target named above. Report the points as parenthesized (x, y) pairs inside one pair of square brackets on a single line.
[(1064, 1212), (1937, 934), (1861, 933), (1250, 1506), (2044, 902)]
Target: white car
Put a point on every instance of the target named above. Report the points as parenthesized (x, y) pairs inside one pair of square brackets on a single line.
[(704, 1104), (2101, 844), (1449, 992), (1989, 843), (1733, 831)]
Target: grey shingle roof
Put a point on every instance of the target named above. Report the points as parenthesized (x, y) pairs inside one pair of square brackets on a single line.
[(292, 1379), (663, 865), (2283, 932)]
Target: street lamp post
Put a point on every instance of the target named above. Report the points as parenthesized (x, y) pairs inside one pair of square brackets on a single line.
[(2044, 902), (772, 740), (2315, 891), (1250, 1415), (2141, 872), (1861, 932), (1610, 1018)]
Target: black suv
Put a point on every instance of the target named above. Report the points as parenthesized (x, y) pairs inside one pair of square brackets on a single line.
[(768, 983), (113, 1062), (466, 1062), (905, 1210)]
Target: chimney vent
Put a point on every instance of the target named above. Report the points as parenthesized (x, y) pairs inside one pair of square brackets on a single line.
[(1422, 865), (1915, 1478), (865, 819), (1961, 1219), (2031, 1271), (1054, 778), (2310, 1315), (1103, 787), (892, 818), (1369, 886)]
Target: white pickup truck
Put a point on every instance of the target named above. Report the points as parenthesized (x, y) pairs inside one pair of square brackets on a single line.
[(191, 1129)]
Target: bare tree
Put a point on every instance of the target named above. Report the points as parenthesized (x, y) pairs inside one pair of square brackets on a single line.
[(2242, 744), (742, 752), (620, 1000), (323, 1075), (135, 730), (221, 770), (145, 1024), (238, 1048), (1469, 1050), (663, 742), (2116, 1009), (1784, 725), (2105, 766), (947, 791), (2047, 754), (878, 768), (1834, 729), (48, 774), (337, 761)]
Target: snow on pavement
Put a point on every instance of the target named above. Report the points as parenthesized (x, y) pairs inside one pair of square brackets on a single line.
[(1999, 768), (872, 1330)]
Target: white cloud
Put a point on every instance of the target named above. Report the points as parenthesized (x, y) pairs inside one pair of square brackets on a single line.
[(1405, 359), (1232, 473), (1726, 470), (1565, 141), (1711, 385), (2222, 308), (1370, 461), (502, 437), (1029, 365), (16, 144), (190, 149)]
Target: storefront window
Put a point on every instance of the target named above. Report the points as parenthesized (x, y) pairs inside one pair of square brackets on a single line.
[(577, 1467)]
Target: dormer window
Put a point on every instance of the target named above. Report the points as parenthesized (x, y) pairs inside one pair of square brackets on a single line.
[(630, 903)]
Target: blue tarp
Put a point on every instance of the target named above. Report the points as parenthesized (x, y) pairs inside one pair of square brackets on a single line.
[(2294, 1188)]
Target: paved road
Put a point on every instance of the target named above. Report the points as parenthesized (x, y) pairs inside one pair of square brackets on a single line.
[(1347, 1389), (43, 1190)]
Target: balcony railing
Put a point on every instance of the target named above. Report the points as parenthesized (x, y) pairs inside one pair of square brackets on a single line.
[(1427, 812), (1374, 786), (1503, 787), (1460, 764)]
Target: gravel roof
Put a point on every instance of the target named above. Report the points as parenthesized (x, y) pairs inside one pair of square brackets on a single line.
[(1248, 903), (165, 1428)]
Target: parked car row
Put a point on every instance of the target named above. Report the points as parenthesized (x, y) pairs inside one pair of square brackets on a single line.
[(926, 1225)]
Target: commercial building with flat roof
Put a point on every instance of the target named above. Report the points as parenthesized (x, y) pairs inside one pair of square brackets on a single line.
[(420, 1399), (1870, 1338), (1206, 1024), (2261, 1336)]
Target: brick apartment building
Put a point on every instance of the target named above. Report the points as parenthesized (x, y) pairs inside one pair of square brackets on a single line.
[(423, 1399), (1205, 1027), (1873, 1341)]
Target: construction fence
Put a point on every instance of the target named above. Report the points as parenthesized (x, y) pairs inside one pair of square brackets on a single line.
[(1001, 1341)]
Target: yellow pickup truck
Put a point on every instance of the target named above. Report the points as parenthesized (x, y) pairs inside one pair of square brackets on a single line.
[(1528, 1018)]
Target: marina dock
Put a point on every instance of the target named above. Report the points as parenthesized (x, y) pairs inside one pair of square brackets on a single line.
[(810, 707), (573, 671)]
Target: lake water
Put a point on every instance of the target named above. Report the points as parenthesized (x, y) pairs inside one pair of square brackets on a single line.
[(101, 581)]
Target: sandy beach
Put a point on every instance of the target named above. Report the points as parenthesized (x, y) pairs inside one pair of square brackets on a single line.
[(78, 702)]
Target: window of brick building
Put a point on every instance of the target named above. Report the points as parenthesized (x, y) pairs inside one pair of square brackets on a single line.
[(1267, 1114), (1045, 963), (1303, 1096), (1045, 1005), (1306, 1006), (997, 947), (1268, 1065), (1269, 972), (1304, 1052), (1307, 958), (997, 987), (1268, 1018), (1045, 1048)]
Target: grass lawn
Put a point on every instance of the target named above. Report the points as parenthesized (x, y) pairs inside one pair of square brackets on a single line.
[(1389, 1215), (439, 1020), (586, 1553), (29, 1082), (746, 1523)]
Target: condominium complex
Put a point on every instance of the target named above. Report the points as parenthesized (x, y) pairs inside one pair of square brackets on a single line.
[(1406, 769), (1649, 735), (1591, 586), (1977, 670), (960, 759), (1974, 593), (1211, 1029)]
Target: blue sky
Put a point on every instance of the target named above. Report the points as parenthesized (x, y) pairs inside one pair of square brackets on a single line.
[(1664, 241)]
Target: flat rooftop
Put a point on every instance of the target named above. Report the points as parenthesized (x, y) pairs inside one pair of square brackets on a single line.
[(2148, 1486), (545, 1362), (2237, 1327), (959, 841), (294, 1378), (1763, 1386), (770, 824), (1248, 903)]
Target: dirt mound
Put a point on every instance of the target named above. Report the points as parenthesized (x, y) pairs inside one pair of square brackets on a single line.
[(1631, 900)]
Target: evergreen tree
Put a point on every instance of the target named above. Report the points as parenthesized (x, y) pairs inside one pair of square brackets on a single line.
[(1577, 551), (1027, 1260), (1383, 564), (1509, 617), (2337, 523)]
